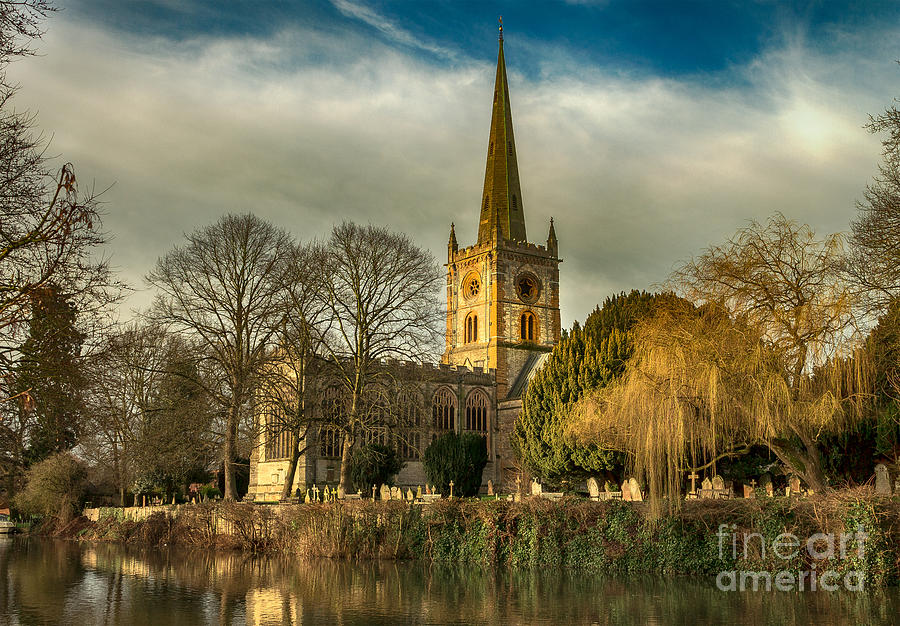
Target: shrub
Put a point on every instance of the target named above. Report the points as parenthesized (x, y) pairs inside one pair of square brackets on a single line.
[(460, 458), (374, 464), (54, 487)]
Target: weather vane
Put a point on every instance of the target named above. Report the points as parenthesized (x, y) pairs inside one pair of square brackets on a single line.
[(501, 28)]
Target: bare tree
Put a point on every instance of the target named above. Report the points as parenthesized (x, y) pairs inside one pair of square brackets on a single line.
[(124, 378), (874, 259), (49, 229), (226, 288), (284, 386), (381, 295)]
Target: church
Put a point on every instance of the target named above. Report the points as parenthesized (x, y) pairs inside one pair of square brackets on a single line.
[(502, 321)]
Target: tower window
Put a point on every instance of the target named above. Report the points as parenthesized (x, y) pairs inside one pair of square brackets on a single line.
[(528, 326), (514, 202), (471, 328), (471, 286), (509, 148)]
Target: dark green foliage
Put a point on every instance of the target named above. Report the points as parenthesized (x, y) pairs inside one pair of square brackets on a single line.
[(586, 358), (884, 348), (374, 464), (50, 373), (457, 457)]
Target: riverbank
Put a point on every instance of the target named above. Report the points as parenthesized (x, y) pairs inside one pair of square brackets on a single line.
[(705, 537)]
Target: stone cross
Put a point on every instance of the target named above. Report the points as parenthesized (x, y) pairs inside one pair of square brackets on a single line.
[(518, 483), (373, 493), (451, 489), (315, 492), (882, 480), (326, 495), (693, 476)]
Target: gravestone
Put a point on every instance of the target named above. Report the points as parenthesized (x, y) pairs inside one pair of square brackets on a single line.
[(409, 495), (536, 488), (706, 490), (794, 485), (395, 493), (636, 494), (718, 486), (748, 491), (765, 481), (490, 491), (385, 492), (419, 492), (626, 492), (897, 486), (307, 499), (882, 480), (593, 487)]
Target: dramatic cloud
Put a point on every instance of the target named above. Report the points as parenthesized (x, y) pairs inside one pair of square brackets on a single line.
[(307, 129)]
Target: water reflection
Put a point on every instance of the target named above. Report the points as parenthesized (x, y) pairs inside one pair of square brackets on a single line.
[(57, 582)]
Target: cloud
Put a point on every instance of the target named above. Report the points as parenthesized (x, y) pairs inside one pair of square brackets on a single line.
[(306, 129), (366, 14)]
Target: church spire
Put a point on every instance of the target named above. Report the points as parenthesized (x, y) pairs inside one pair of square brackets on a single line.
[(501, 200)]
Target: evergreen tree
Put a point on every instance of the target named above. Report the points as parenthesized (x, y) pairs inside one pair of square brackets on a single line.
[(50, 375), (586, 358)]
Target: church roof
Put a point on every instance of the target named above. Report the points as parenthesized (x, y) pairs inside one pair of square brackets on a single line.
[(534, 363), (502, 213)]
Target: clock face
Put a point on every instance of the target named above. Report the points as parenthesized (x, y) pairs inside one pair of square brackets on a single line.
[(471, 286), (528, 287)]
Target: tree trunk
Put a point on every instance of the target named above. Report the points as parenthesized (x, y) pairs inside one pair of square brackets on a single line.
[(292, 469), (346, 450), (803, 462), (230, 445)]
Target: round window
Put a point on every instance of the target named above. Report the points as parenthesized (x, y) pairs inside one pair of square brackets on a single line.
[(528, 287), (471, 286)]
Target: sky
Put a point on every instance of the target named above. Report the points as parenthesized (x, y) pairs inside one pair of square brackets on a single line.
[(648, 130)]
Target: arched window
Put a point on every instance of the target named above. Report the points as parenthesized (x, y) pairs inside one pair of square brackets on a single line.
[(443, 410), (410, 413), (528, 327), (471, 328), (477, 412), (332, 405), (409, 445), (278, 438), (330, 441)]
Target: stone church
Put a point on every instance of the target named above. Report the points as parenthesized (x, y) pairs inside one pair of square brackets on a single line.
[(502, 321)]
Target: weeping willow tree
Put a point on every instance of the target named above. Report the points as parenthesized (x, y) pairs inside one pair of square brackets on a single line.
[(767, 357)]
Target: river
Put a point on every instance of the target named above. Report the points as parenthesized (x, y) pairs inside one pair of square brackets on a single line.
[(47, 582)]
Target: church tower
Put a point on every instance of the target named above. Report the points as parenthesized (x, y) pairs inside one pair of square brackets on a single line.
[(502, 292)]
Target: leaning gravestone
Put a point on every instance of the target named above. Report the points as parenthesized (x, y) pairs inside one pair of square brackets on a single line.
[(636, 493), (765, 481), (882, 480), (385, 492), (593, 488), (536, 488)]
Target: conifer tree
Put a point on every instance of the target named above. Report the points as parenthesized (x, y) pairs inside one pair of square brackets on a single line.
[(586, 358)]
